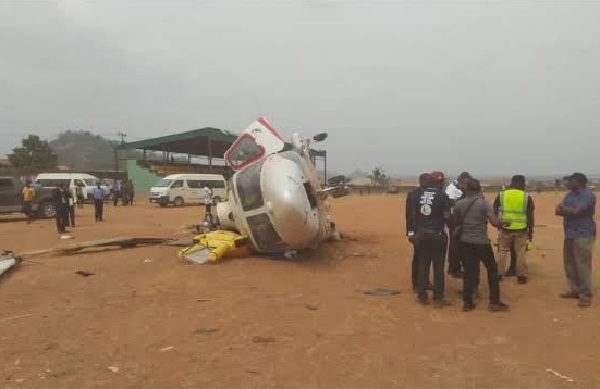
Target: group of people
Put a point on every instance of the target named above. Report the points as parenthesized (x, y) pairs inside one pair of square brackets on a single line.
[(455, 221), (123, 190)]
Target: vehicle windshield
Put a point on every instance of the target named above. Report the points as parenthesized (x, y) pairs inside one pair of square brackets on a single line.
[(90, 181), (53, 182), (164, 183)]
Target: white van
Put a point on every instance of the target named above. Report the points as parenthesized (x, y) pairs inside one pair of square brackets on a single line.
[(182, 189), (70, 180)]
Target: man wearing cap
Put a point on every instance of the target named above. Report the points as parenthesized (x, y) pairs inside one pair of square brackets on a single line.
[(472, 214), (578, 213), (515, 209), (455, 192), (411, 199), (431, 214)]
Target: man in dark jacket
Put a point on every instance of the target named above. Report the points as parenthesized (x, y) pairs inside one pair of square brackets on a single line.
[(61, 197), (411, 199), (431, 214)]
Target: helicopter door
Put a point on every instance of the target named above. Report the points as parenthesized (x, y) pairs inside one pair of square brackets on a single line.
[(257, 140)]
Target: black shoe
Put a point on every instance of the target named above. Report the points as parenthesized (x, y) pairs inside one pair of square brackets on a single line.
[(467, 307), (522, 280), (584, 302), (510, 273), (429, 286), (441, 303), (569, 295), (498, 307)]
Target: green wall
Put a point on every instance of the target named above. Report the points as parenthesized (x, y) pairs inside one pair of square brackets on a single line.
[(143, 178)]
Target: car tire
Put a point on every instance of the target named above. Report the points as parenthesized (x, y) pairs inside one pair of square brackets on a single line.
[(47, 209), (178, 201)]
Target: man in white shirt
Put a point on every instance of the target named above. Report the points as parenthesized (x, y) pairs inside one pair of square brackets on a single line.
[(208, 200), (453, 192)]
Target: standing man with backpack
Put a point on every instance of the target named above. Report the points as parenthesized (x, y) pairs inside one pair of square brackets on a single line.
[(456, 191), (470, 221)]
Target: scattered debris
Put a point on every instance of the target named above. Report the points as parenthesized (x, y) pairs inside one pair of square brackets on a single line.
[(312, 307), (66, 237), (119, 243), (381, 292), (568, 379), (252, 372), (84, 273), (114, 369), (19, 380), (162, 350), (205, 331), (202, 300), (147, 261), (17, 317), (260, 339), (7, 261)]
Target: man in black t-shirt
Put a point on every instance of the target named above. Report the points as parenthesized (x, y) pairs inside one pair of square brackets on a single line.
[(431, 214), (411, 199)]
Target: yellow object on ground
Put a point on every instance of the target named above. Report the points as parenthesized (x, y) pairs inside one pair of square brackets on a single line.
[(212, 246)]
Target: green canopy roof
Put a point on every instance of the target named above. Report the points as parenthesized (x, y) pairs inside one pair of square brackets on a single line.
[(206, 141)]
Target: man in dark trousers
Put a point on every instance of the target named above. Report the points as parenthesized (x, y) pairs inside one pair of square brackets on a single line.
[(431, 214), (411, 229), (454, 255), (61, 203), (98, 196), (473, 214)]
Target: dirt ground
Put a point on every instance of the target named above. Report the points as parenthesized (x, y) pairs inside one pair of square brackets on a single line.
[(245, 322)]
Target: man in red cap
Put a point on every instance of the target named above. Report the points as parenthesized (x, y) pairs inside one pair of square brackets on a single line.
[(431, 213)]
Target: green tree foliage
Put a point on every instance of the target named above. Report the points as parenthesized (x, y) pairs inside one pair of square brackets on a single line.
[(35, 155), (378, 177)]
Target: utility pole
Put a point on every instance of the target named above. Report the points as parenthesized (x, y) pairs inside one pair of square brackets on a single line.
[(122, 135)]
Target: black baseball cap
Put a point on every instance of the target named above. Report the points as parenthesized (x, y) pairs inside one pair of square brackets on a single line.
[(580, 177)]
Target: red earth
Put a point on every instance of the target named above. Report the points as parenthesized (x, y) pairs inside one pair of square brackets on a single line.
[(146, 318)]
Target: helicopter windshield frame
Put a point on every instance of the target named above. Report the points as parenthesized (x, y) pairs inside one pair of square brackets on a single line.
[(237, 150)]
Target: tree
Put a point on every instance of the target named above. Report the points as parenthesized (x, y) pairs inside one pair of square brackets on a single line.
[(378, 177), (34, 156)]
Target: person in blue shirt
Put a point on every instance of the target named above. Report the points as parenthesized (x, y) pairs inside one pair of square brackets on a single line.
[(578, 213), (98, 196)]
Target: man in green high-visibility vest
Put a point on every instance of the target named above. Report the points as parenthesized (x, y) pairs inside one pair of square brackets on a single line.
[(515, 209)]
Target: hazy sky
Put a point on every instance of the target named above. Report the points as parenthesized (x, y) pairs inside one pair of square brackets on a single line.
[(490, 87)]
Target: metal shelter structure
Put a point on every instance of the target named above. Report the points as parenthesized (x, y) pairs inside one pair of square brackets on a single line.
[(207, 142)]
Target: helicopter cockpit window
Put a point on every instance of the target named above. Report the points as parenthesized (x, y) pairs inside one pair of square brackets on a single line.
[(264, 234), (248, 187), (244, 151)]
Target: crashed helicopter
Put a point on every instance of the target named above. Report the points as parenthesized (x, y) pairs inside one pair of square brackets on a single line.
[(276, 203)]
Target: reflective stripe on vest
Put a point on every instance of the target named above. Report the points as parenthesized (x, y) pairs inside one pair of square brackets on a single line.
[(513, 209)]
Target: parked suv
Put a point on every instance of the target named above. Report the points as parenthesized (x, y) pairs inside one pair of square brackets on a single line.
[(11, 199)]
